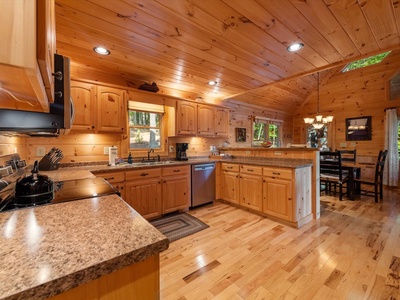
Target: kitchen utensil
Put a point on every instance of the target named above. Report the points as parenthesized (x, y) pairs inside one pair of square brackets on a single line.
[(33, 189)]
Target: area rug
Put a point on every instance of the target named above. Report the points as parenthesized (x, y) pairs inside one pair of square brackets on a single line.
[(177, 226)]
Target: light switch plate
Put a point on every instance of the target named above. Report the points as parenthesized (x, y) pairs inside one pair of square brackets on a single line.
[(343, 145), (171, 148), (352, 144), (106, 150)]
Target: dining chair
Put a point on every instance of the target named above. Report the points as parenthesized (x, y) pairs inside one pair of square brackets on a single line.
[(348, 155), (376, 182), (331, 172)]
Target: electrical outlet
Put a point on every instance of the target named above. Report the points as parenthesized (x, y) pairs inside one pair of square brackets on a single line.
[(106, 150), (171, 148), (40, 151), (343, 145), (353, 144)]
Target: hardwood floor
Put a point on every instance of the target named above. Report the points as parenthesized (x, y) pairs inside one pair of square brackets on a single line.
[(352, 252)]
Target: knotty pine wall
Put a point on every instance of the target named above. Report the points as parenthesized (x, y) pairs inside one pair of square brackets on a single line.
[(10, 145), (353, 94)]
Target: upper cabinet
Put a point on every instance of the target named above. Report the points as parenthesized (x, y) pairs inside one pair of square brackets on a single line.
[(221, 122), (186, 118), (83, 95), (26, 63), (192, 119), (98, 108), (205, 117), (111, 112)]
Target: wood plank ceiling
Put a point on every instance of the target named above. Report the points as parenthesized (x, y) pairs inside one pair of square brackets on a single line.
[(183, 44)]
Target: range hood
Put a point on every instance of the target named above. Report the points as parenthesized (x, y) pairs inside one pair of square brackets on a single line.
[(57, 121)]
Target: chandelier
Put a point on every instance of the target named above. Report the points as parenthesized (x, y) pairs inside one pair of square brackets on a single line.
[(319, 121)]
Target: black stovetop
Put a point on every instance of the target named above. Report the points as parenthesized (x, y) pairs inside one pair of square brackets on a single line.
[(68, 190)]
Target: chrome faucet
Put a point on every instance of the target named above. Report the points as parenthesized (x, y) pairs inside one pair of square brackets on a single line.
[(148, 153)]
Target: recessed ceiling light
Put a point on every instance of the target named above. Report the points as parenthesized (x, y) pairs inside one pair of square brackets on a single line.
[(212, 82), (101, 50), (295, 47)]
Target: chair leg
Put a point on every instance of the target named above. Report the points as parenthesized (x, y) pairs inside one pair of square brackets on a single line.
[(376, 192), (340, 192), (381, 189)]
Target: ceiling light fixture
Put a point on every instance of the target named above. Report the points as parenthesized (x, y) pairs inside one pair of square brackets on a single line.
[(295, 47), (320, 121), (212, 82), (101, 50)]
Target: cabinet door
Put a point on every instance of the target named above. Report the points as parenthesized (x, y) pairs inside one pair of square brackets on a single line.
[(205, 117), (83, 95), (175, 193), (277, 198), (230, 186), (251, 191), (186, 118), (145, 197), (111, 113), (221, 122)]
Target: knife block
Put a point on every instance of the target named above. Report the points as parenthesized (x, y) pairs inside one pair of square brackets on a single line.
[(46, 165)]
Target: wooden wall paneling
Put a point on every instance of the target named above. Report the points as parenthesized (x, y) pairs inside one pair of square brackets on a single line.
[(8, 145)]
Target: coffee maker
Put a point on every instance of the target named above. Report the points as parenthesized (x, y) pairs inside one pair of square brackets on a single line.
[(181, 151)]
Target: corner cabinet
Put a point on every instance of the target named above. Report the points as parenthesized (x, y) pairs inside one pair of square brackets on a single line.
[(27, 63), (111, 112)]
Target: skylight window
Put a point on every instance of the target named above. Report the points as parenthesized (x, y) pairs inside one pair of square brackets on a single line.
[(365, 62)]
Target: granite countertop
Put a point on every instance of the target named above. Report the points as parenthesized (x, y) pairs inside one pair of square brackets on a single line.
[(50, 249)]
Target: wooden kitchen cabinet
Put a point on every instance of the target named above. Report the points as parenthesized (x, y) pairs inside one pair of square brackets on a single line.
[(143, 192), (221, 122), (250, 187), (175, 188), (83, 95), (186, 118), (287, 194), (230, 182), (27, 63), (117, 180), (205, 117), (111, 112)]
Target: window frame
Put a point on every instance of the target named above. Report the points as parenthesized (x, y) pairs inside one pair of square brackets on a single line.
[(267, 121)]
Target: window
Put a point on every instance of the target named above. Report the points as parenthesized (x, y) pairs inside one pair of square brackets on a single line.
[(145, 126), (266, 130), (365, 62)]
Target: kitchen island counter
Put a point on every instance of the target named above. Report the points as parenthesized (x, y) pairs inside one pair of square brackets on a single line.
[(50, 249)]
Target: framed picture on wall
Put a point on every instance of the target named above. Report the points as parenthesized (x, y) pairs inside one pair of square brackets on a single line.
[(240, 134), (358, 129)]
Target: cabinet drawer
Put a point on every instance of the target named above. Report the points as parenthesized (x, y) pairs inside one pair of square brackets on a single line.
[(113, 177), (278, 173), (142, 174), (230, 167), (255, 170), (178, 170)]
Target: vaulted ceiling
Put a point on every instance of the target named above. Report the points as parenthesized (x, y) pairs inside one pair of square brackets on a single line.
[(241, 44)]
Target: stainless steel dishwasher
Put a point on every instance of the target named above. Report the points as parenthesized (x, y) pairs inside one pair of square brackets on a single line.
[(203, 184)]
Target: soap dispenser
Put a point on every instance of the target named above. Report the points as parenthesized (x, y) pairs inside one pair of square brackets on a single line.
[(130, 161)]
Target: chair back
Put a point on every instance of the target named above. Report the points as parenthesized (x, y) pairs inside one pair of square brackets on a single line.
[(348, 155), (380, 165), (330, 166)]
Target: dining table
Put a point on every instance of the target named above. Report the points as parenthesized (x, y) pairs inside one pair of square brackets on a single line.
[(354, 169)]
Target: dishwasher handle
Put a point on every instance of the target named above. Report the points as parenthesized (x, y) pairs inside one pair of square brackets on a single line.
[(204, 167)]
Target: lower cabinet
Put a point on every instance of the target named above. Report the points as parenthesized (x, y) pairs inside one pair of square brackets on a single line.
[(143, 192), (153, 192), (251, 187), (277, 198), (117, 180), (230, 183), (175, 188)]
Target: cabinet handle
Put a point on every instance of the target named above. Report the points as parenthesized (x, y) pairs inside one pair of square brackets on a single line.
[(229, 167), (144, 174), (177, 171), (276, 173), (108, 178), (250, 170)]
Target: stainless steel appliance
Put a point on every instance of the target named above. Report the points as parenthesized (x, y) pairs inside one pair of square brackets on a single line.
[(203, 184), (181, 151)]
